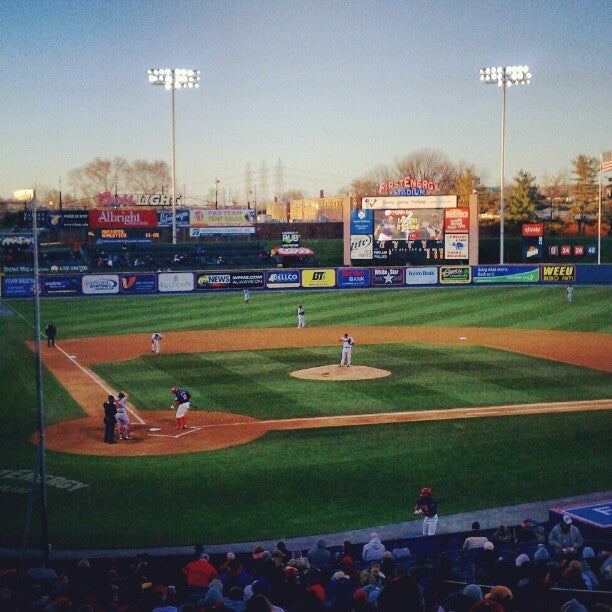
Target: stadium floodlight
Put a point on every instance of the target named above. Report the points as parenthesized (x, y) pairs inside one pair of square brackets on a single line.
[(173, 79), (504, 76)]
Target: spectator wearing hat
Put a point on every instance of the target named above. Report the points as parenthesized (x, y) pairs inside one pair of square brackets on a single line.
[(373, 550), (319, 557), (588, 556), (501, 595), (298, 560), (565, 537), (461, 601), (428, 507), (571, 577)]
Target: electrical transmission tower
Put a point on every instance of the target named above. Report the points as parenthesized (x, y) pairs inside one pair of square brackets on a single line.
[(262, 188), (279, 179)]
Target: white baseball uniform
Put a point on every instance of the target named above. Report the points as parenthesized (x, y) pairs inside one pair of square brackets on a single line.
[(155, 343), (300, 317), (347, 345)]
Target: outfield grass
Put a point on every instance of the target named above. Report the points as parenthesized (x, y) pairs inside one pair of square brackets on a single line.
[(293, 483)]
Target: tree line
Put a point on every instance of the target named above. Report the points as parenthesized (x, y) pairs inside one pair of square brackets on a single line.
[(575, 193)]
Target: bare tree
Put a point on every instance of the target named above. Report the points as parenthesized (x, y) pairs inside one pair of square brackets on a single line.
[(98, 176), (584, 189), (429, 164), (143, 176)]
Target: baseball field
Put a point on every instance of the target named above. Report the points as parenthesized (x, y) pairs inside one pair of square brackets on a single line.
[(491, 396)]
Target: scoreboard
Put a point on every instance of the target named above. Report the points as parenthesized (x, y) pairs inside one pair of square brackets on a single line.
[(405, 236)]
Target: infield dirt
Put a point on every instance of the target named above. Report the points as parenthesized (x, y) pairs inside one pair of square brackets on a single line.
[(212, 430)]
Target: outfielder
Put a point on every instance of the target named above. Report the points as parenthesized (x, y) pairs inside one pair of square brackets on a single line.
[(347, 345), (300, 316), (181, 403), (156, 343)]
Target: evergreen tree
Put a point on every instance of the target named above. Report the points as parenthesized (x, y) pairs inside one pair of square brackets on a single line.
[(524, 199)]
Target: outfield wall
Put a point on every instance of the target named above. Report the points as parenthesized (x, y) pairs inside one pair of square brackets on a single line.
[(62, 285)]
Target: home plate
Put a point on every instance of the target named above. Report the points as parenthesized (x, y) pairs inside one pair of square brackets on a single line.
[(154, 428)]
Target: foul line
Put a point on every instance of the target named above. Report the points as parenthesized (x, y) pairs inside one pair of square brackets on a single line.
[(85, 370)]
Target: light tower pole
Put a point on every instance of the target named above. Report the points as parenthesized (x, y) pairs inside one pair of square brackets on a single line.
[(173, 79), (504, 76)]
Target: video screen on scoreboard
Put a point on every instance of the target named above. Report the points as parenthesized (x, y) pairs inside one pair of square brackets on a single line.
[(409, 236)]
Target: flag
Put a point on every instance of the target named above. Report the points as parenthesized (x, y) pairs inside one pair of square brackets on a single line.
[(606, 161)]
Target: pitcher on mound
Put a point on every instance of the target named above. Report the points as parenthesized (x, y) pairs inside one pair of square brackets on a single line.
[(181, 403)]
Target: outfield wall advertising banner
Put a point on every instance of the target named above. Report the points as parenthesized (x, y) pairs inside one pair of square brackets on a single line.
[(230, 230), (164, 218), (100, 284), (558, 274), (175, 281), (410, 202), (16, 239), (220, 217), (61, 285), (283, 279), (390, 277), (218, 280), (456, 246), (319, 278), (455, 275), (361, 221), (353, 277), (68, 219), (121, 219), (247, 280), (457, 220), (362, 246), (505, 274), (17, 286), (138, 283), (421, 276)]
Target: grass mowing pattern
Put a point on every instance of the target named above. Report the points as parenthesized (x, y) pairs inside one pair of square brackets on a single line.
[(424, 377), (542, 307), (300, 482)]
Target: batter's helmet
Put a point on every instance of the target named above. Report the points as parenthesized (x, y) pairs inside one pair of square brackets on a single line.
[(174, 389), (425, 491)]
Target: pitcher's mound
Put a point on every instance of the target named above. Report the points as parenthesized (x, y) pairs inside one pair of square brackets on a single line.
[(336, 372)]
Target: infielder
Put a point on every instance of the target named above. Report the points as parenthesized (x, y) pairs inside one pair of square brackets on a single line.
[(300, 316), (181, 403), (156, 343), (347, 345)]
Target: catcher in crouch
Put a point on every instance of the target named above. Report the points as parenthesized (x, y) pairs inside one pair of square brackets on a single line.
[(181, 403)]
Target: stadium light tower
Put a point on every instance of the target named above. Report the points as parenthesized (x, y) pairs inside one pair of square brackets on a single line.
[(173, 79), (504, 76)]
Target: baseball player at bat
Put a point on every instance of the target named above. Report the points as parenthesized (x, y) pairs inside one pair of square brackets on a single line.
[(181, 404)]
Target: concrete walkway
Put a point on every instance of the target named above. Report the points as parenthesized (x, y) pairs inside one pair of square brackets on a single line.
[(489, 518)]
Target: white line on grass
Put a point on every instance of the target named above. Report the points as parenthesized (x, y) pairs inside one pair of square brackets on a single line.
[(85, 370)]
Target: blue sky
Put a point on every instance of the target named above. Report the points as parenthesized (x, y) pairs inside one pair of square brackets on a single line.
[(331, 88)]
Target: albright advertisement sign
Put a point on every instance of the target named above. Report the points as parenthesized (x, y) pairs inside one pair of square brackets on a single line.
[(121, 219)]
